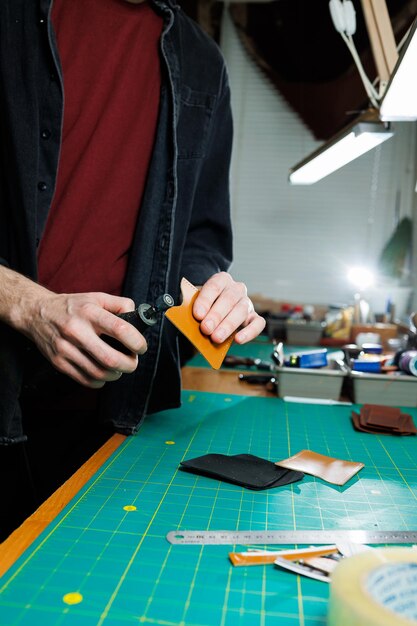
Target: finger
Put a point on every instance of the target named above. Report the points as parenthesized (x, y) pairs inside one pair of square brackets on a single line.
[(93, 370), (72, 371), (111, 359), (228, 312), (115, 304), (254, 326), (115, 365), (209, 293), (121, 330), (84, 333), (101, 309), (237, 316)]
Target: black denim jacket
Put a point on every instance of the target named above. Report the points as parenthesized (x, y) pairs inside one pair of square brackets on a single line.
[(184, 225)]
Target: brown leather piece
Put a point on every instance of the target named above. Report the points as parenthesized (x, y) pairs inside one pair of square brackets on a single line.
[(383, 420), (336, 471), (182, 317)]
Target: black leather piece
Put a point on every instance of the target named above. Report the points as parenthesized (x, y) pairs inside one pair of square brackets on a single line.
[(246, 470)]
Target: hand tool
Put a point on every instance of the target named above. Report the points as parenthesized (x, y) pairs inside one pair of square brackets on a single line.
[(142, 318), (232, 361)]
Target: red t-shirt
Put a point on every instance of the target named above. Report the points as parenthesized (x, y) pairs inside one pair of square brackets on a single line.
[(111, 69)]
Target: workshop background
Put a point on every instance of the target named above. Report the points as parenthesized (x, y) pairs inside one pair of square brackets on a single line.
[(294, 84)]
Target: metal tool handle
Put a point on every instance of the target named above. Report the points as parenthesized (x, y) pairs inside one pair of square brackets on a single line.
[(270, 382), (232, 361), (142, 318)]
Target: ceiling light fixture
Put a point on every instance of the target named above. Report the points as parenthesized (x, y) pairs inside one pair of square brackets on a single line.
[(364, 134), (367, 131), (399, 102)]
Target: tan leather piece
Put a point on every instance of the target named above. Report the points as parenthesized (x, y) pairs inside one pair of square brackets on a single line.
[(182, 317), (327, 468)]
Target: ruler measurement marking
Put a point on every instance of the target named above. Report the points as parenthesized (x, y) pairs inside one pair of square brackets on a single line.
[(218, 537)]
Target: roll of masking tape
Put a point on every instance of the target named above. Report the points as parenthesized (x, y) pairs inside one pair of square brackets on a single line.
[(375, 588)]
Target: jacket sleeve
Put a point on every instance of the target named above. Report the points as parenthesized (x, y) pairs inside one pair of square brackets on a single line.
[(208, 245)]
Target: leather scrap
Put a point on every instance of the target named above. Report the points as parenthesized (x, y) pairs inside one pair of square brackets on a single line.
[(247, 470), (383, 420), (336, 471), (182, 317)]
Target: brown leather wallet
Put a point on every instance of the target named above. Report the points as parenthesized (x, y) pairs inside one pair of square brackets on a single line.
[(182, 317)]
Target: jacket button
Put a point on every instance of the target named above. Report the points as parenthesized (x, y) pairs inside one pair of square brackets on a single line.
[(42, 186), (45, 134)]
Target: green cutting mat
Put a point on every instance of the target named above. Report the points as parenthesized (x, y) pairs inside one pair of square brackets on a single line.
[(118, 558)]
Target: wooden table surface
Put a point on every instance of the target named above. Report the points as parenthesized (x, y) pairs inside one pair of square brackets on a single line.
[(220, 381), (193, 378)]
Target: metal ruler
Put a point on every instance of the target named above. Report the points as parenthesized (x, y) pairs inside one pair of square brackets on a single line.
[(231, 537)]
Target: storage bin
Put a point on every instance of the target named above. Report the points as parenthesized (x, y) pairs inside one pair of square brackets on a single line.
[(325, 382), (303, 333), (387, 389), (276, 327)]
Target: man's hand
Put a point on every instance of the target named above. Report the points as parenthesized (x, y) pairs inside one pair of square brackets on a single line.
[(223, 306), (66, 328)]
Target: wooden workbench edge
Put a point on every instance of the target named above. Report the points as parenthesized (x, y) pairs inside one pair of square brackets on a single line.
[(22, 537)]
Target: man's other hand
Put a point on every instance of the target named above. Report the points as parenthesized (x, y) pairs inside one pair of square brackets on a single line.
[(222, 306)]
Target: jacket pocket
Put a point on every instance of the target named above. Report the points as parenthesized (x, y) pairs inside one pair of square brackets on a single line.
[(195, 115)]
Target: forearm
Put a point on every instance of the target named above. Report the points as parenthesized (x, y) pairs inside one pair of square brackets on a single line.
[(20, 299)]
